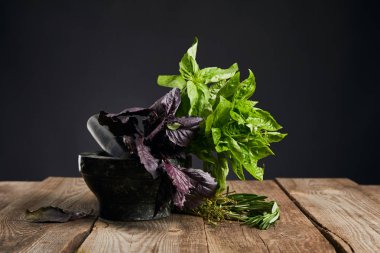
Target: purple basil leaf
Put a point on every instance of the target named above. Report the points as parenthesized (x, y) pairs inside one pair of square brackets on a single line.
[(184, 133), (114, 124), (168, 104), (139, 111), (180, 137), (189, 122), (181, 182), (155, 131), (146, 158), (119, 126), (203, 182), (123, 123), (204, 187), (131, 125)]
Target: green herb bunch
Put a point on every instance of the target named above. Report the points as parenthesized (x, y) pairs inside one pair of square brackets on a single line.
[(251, 209), (235, 133)]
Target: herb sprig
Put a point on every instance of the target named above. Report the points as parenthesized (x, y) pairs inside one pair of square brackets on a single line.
[(251, 209)]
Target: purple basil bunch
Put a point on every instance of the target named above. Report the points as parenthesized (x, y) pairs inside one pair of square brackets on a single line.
[(159, 139)]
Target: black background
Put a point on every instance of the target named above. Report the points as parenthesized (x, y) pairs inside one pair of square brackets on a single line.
[(316, 65)]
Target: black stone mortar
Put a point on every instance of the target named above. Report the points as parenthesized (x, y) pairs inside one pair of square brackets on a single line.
[(124, 189)]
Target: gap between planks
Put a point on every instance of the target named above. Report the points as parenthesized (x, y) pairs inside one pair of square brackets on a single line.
[(292, 233), (344, 211)]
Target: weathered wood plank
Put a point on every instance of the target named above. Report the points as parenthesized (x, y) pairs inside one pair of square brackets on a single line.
[(18, 235), (345, 214), (293, 232), (373, 191), (12, 190), (177, 233)]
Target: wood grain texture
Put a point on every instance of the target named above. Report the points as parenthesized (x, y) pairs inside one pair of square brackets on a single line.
[(12, 190), (177, 233), (372, 191), (340, 208), (18, 235), (293, 232)]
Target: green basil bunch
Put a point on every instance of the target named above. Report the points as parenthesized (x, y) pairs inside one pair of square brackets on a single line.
[(235, 133)]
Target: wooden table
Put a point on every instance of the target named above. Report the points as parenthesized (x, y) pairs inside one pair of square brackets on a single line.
[(317, 215)]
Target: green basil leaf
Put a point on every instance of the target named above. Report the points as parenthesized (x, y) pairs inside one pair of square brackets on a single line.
[(216, 135), (263, 119), (235, 130), (171, 81), (230, 86), (258, 140), (274, 136), (194, 97), (241, 153), (245, 107), (222, 112), (192, 51), (214, 74), (214, 89), (199, 99), (235, 116), (188, 67), (222, 147), (173, 126), (261, 152), (256, 171), (246, 88), (209, 121), (235, 149), (237, 168)]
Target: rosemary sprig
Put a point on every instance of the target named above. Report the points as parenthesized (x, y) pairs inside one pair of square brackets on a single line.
[(250, 209)]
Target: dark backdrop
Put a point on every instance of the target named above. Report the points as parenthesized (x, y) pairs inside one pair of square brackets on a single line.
[(316, 64)]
